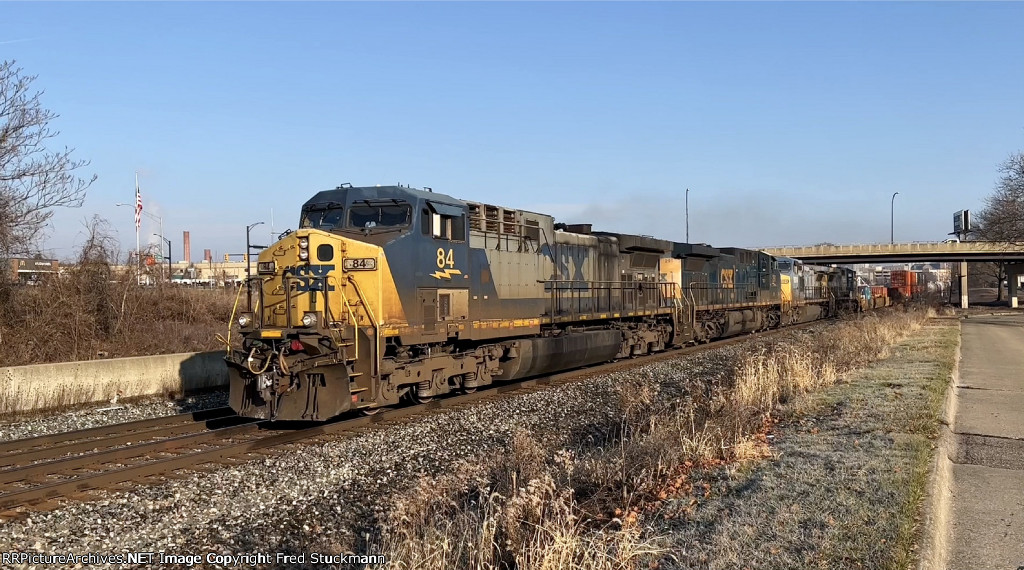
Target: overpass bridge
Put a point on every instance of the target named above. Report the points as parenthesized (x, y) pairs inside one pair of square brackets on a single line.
[(1012, 254)]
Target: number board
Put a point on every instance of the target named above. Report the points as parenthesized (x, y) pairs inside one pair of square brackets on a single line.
[(360, 263)]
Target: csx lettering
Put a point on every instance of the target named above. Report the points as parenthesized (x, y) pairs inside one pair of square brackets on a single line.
[(310, 277)]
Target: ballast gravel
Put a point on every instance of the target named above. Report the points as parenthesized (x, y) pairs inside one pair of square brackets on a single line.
[(106, 413), (326, 496)]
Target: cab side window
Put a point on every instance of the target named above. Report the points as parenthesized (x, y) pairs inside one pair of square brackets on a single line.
[(451, 228), (443, 222)]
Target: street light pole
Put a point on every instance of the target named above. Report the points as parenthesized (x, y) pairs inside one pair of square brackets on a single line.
[(169, 255), (248, 263), (892, 219)]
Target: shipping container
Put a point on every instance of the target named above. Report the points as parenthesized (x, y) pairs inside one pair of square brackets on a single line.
[(901, 278)]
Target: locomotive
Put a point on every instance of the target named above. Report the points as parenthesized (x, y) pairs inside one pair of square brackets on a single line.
[(391, 292)]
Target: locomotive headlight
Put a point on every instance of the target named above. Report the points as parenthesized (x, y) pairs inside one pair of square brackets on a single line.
[(245, 320), (303, 254), (309, 319), (303, 243)]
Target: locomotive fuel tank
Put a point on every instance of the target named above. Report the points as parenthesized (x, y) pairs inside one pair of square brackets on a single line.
[(549, 354)]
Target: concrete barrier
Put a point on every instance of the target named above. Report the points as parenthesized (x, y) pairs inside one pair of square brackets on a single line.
[(936, 535), (44, 386)]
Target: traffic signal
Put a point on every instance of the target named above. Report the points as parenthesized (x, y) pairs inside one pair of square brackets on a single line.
[(245, 258), (227, 257)]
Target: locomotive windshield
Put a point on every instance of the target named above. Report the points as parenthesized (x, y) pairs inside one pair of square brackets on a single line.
[(322, 218), (367, 214)]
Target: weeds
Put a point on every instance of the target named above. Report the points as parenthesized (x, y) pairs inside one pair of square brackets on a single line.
[(89, 311), (540, 506)]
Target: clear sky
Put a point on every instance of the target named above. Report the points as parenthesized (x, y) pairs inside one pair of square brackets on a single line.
[(791, 123)]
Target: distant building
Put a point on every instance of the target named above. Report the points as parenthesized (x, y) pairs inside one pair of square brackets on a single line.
[(32, 270)]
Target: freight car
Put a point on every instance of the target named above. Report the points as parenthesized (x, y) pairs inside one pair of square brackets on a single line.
[(390, 292)]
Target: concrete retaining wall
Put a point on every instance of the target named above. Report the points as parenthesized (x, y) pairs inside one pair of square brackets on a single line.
[(43, 386)]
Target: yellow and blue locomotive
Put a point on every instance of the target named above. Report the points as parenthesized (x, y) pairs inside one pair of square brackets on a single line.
[(390, 292)]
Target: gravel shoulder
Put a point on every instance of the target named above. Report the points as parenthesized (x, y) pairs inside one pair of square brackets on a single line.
[(326, 497), (846, 480)]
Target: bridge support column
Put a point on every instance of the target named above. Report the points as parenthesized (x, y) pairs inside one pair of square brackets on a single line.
[(963, 284), (1013, 272)]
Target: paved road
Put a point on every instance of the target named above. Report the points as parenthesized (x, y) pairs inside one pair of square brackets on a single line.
[(987, 486)]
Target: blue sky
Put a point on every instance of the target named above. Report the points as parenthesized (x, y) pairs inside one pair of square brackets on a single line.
[(791, 123)]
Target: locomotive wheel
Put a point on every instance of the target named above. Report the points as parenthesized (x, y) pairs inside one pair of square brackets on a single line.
[(419, 399), (468, 378)]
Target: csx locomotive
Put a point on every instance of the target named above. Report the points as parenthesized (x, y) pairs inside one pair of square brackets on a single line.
[(390, 292)]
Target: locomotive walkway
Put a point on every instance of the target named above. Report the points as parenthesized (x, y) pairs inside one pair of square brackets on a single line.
[(980, 479)]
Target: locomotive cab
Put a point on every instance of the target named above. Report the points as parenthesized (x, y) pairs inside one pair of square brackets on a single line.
[(325, 301)]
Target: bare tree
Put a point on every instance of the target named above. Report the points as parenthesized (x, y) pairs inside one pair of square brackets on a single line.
[(1002, 219), (33, 179)]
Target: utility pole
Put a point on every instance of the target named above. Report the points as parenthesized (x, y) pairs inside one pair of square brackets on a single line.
[(687, 215), (169, 255), (892, 219)]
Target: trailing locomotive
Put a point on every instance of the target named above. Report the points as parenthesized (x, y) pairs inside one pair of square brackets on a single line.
[(391, 292)]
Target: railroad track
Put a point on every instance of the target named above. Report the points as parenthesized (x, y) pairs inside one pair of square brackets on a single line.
[(37, 473)]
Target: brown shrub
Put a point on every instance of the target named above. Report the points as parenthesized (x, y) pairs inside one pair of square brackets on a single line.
[(89, 311)]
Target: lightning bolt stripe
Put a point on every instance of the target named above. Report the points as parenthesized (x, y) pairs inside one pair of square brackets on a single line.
[(446, 274)]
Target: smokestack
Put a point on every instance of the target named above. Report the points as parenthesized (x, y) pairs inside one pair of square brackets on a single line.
[(187, 246), (207, 256)]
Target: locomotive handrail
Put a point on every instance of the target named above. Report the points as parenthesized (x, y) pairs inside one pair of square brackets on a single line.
[(576, 288), (351, 313), (707, 286), (373, 322)]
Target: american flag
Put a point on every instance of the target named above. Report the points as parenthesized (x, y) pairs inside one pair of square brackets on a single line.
[(138, 207)]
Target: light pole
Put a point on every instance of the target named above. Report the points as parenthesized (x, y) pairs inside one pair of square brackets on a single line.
[(169, 254), (687, 215), (158, 219), (892, 219), (248, 263)]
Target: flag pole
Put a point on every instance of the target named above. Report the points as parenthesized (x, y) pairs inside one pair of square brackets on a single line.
[(138, 256)]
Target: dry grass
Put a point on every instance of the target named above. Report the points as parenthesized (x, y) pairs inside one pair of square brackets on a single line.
[(845, 485), (87, 314), (779, 375), (518, 512), (591, 505)]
